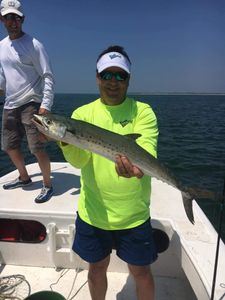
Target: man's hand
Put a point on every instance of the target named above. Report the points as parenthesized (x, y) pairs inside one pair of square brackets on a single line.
[(125, 168), (43, 111)]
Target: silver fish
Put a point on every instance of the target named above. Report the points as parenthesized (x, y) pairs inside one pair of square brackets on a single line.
[(109, 144)]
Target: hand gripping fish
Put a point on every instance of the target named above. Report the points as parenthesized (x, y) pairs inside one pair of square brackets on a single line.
[(109, 144)]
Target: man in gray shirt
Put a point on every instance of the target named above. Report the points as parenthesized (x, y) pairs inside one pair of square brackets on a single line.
[(27, 79)]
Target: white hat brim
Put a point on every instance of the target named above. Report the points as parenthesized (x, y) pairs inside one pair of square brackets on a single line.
[(11, 11), (108, 65)]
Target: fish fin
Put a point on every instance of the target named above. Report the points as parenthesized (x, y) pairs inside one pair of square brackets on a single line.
[(133, 136), (203, 194), (188, 194), (187, 201)]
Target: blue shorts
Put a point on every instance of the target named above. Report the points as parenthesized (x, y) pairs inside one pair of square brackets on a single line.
[(135, 246)]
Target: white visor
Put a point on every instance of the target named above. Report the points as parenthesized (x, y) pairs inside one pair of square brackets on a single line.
[(113, 59)]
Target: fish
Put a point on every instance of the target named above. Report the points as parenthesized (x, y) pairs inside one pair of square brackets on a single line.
[(110, 144)]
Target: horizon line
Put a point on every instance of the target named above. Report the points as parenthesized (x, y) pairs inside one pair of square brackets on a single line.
[(152, 93)]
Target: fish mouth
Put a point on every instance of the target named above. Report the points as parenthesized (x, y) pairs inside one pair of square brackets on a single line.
[(37, 120)]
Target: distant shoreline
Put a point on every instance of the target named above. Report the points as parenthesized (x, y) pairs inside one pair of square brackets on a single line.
[(136, 94), (150, 93), (179, 94)]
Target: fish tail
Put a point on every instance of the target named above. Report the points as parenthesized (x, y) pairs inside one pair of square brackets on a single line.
[(187, 201)]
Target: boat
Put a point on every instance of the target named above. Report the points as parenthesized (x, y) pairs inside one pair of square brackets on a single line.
[(36, 240)]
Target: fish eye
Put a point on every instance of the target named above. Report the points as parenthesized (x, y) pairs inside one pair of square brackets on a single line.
[(48, 122)]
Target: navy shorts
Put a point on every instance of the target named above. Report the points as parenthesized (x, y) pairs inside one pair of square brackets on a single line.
[(135, 246)]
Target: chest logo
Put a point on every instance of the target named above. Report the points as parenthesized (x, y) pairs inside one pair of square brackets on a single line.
[(125, 122)]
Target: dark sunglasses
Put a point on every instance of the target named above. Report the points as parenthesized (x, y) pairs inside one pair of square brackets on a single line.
[(119, 76), (12, 17)]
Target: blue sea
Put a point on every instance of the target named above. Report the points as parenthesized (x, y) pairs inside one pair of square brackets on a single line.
[(191, 140)]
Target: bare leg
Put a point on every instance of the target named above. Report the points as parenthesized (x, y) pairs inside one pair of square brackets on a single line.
[(17, 158), (97, 279), (144, 282), (44, 164)]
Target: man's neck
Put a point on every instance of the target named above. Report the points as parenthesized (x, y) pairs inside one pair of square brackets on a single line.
[(14, 36)]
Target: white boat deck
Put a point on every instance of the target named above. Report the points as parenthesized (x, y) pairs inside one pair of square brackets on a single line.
[(184, 271), (120, 285)]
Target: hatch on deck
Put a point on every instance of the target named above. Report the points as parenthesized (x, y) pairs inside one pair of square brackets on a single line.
[(22, 231)]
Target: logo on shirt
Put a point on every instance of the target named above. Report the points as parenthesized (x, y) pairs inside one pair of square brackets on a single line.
[(125, 122)]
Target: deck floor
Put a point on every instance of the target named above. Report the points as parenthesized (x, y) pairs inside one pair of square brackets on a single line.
[(74, 285)]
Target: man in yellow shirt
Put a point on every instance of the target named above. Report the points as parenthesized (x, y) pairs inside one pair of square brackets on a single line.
[(113, 209)]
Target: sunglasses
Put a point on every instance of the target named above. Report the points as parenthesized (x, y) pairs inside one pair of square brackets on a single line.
[(119, 76), (12, 17)]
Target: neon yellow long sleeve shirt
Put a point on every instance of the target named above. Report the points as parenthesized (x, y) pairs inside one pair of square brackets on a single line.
[(106, 200)]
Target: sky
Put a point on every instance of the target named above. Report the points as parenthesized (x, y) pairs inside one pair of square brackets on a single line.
[(174, 45)]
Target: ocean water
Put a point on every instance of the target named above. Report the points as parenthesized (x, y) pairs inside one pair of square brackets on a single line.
[(191, 140)]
